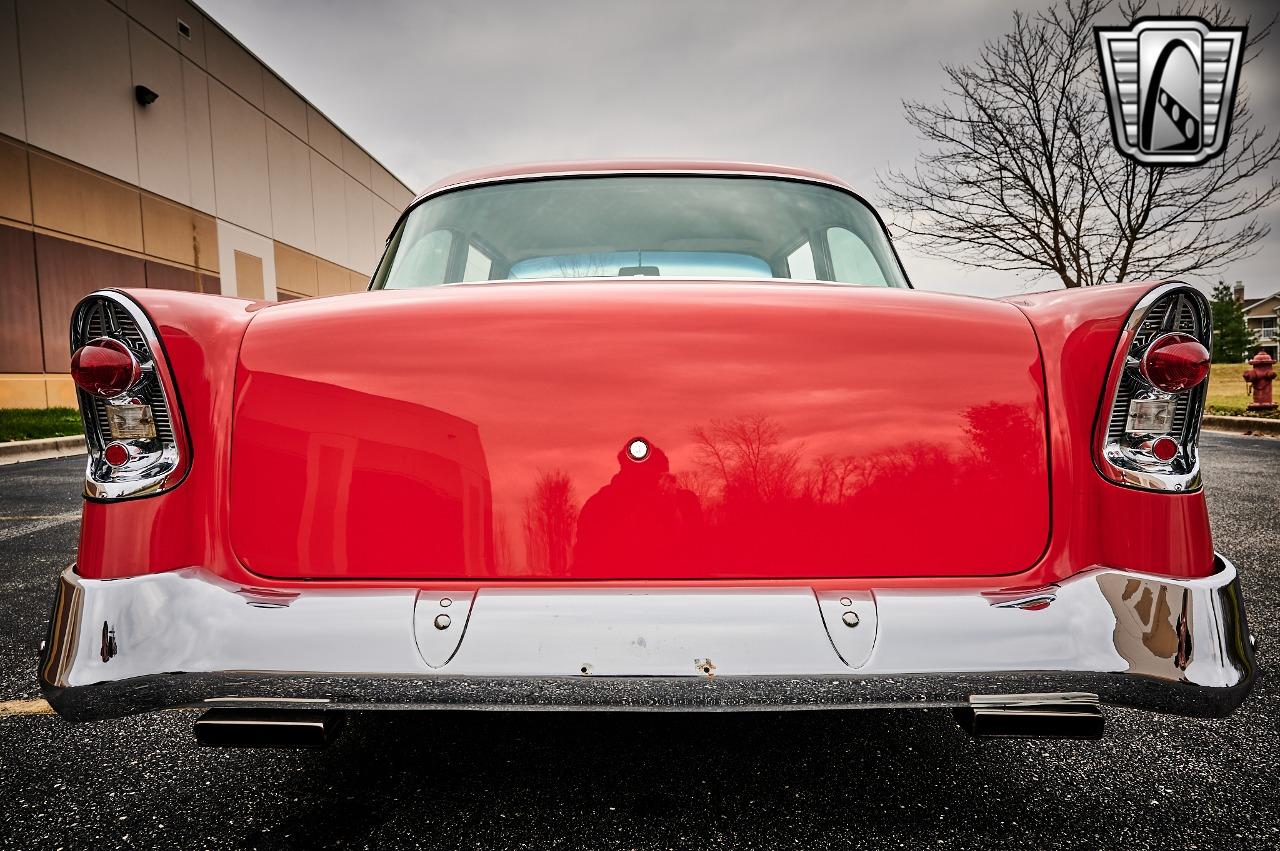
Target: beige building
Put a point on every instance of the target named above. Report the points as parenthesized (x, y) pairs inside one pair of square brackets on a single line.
[(226, 181), (1263, 314)]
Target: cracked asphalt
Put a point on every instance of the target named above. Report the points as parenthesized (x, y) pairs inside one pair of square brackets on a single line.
[(631, 780)]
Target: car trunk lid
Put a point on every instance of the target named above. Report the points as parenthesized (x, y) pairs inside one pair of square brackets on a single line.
[(478, 432)]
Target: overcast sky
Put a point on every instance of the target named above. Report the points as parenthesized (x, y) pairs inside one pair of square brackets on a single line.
[(430, 88)]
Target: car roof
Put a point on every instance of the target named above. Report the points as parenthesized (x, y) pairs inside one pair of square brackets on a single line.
[(656, 166)]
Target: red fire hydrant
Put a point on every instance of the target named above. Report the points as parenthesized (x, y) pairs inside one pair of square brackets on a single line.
[(1259, 380)]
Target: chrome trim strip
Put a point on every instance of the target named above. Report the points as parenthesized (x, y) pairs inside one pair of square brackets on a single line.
[(659, 168), (188, 638)]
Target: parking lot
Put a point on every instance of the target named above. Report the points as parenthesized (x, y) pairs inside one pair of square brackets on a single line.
[(634, 780)]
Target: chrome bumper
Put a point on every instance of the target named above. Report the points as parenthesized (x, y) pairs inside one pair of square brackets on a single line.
[(188, 638)]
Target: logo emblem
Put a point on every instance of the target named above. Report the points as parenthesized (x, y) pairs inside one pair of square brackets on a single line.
[(1170, 85)]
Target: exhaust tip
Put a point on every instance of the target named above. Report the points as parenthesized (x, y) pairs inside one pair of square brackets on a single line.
[(1032, 716), (268, 728)]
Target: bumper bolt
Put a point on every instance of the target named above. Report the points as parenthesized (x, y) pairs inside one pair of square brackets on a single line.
[(442, 621), (445, 602), (846, 602), (850, 619)]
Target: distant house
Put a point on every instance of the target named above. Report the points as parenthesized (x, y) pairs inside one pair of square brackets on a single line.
[(1262, 315)]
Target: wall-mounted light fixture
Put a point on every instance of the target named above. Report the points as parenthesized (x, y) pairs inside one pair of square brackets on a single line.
[(144, 96)]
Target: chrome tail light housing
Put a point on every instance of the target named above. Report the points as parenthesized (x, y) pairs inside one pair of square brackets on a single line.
[(1149, 423), (137, 442)]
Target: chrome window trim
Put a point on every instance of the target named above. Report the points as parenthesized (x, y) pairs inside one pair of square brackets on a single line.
[(1115, 461)]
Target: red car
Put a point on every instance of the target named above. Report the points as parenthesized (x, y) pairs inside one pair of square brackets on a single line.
[(647, 436)]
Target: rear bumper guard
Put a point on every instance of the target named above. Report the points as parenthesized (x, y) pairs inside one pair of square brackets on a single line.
[(189, 638)]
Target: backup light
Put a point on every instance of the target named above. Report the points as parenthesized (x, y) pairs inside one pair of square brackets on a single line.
[(104, 367), (134, 421), (1150, 416)]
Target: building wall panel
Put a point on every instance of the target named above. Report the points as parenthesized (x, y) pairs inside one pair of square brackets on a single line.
[(162, 276), (23, 391), (232, 64), (359, 226), (323, 136), (249, 282), (356, 162), (67, 272), (12, 121), (284, 105), (161, 17), (163, 165), (296, 271), (384, 185), (178, 233), (20, 349), (289, 164), (199, 131), (332, 279), (328, 189), (241, 179), (77, 85), (15, 182), (74, 201), (60, 392)]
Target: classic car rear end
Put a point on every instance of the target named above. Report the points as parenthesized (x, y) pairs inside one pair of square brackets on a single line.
[(645, 436)]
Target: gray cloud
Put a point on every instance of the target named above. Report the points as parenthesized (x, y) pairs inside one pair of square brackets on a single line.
[(433, 88)]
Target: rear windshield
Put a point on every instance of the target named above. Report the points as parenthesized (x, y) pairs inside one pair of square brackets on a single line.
[(640, 226)]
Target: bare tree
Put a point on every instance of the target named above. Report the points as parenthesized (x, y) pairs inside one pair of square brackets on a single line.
[(1020, 172)]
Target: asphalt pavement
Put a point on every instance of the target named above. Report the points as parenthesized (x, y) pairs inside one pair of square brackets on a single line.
[(763, 780)]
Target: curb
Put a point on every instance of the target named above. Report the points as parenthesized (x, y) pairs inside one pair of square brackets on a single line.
[(1241, 425), (17, 451)]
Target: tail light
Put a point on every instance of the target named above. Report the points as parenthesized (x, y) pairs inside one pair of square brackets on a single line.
[(105, 367), (1175, 362), (137, 444), (1150, 425)]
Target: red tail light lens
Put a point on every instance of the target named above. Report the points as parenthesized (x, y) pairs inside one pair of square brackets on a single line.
[(104, 367), (1165, 449), (1176, 362)]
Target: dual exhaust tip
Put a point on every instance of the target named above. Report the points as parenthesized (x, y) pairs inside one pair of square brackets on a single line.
[(1018, 716), (268, 728), (1032, 716)]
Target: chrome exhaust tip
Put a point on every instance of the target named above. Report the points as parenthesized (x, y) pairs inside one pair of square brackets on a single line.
[(1032, 716), (268, 728)]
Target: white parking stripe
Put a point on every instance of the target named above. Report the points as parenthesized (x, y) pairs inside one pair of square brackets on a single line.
[(28, 525)]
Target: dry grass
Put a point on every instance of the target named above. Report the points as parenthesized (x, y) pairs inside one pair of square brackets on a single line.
[(1228, 394)]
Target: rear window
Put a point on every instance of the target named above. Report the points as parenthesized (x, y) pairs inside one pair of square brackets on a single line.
[(624, 226)]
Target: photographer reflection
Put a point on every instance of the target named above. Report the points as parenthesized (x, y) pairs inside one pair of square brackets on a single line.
[(642, 518)]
